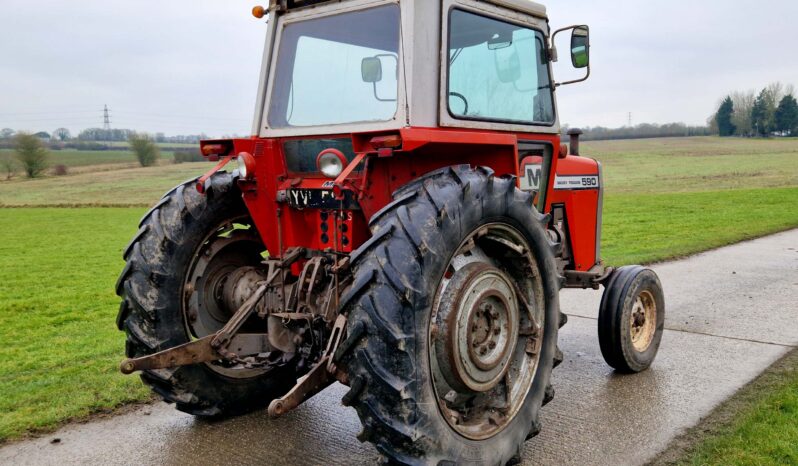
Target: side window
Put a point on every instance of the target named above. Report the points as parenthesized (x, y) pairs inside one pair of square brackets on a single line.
[(497, 71)]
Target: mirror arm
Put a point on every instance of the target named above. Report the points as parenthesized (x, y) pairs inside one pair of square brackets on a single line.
[(556, 85), (379, 99), (554, 35)]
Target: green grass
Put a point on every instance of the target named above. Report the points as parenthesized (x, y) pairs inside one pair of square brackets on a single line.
[(645, 228), (764, 434), (59, 347), (756, 426)]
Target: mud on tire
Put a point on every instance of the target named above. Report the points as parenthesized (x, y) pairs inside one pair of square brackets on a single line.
[(152, 286), (396, 274)]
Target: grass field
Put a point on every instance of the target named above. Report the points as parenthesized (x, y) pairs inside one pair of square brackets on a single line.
[(60, 348), (99, 187), (59, 344), (79, 160)]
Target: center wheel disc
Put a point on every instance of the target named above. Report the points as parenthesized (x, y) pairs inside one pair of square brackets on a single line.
[(480, 311), (486, 328), (643, 321), (231, 246)]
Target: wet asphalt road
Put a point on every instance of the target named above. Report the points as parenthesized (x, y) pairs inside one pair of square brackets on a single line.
[(730, 314)]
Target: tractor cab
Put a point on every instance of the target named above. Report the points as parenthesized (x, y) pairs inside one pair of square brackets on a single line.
[(401, 221)]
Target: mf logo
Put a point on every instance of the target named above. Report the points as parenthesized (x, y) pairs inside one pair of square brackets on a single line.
[(530, 181)]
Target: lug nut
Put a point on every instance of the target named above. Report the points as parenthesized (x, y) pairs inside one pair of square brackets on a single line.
[(497, 331), (483, 351), (492, 345)]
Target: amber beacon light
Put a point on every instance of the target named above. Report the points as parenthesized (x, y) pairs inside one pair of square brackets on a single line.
[(258, 11)]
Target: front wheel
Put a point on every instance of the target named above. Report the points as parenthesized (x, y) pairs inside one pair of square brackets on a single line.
[(453, 320), (631, 319)]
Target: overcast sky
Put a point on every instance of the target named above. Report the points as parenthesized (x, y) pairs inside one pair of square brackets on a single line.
[(183, 67)]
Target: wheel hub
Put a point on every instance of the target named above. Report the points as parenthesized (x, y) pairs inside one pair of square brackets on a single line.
[(482, 321), (643, 321)]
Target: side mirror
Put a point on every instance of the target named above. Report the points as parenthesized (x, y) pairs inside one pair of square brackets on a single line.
[(580, 47), (580, 50), (385, 90), (371, 70)]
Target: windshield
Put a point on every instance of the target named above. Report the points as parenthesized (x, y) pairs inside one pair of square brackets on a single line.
[(337, 69)]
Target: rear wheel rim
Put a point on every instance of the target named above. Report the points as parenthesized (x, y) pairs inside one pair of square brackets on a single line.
[(234, 243), (486, 331)]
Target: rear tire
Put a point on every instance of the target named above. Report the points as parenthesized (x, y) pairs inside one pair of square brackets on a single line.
[(631, 319), (152, 288), (389, 351)]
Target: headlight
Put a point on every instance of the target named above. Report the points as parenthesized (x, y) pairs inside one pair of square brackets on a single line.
[(331, 162), (246, 165)]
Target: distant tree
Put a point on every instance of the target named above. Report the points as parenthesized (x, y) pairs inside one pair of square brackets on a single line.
[(31, 154), (146, 150), (62, 134), (6, 133), (8, 166), (724, 118), (743, 105), (99, 134), (763, 114), (787, 116), (645, 130)]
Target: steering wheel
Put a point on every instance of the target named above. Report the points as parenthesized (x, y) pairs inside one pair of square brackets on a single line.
[(461, 97)]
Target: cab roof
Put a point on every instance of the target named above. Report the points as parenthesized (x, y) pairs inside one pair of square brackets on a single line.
[(527, 6)]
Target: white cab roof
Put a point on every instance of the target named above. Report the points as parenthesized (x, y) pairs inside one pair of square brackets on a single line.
[(527, 6)]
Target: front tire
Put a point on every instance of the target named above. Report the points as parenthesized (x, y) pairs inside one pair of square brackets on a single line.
[(631, 319), (397, 321), (164, 302)]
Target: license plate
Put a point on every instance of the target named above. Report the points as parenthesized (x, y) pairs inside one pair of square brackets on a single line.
[(320, 199)]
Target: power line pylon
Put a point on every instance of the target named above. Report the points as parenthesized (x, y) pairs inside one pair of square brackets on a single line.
[(106, 119)]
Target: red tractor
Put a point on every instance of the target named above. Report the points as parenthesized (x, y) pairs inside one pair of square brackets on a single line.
[(401, 221)]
